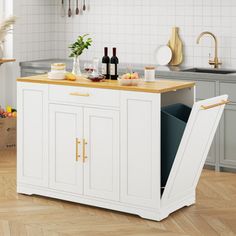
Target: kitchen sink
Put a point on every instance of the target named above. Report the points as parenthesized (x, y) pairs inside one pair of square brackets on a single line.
[(210, 70)]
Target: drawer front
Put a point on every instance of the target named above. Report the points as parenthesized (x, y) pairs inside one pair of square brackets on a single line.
[(230, 89), (83, 95), (205, 89)]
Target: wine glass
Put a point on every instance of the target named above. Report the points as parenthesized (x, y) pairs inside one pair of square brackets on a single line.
[(95, 71), (88, 68)]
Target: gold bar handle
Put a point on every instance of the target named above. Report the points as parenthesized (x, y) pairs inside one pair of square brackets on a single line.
[(223, 102), (77, 149), (80, 94), (84, 150)]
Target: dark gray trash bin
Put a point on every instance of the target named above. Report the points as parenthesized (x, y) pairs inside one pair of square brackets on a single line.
[(173, 122)]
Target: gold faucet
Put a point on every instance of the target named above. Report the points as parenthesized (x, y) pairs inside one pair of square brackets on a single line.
[(214, 62)]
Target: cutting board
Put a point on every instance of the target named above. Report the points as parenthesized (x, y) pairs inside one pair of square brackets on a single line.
[(176, 46)]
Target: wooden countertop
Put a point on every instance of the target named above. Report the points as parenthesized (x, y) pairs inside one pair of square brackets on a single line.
[(158, 86), (4, 60)]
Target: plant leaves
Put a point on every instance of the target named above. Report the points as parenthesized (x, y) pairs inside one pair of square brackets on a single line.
[(80, 45)]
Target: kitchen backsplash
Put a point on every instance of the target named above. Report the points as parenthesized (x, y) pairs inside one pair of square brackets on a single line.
[(35, 29), (138, 27)]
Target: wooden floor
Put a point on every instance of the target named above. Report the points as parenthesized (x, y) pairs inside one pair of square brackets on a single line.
[(213, 214)]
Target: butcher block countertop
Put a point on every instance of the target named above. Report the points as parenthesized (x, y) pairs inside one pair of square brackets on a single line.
[(5, 60), (158, 86)]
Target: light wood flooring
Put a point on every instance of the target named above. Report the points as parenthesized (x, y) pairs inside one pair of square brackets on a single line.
[(213, 214)]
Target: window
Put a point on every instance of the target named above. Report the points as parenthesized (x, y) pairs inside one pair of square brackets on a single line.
[(1, 9)]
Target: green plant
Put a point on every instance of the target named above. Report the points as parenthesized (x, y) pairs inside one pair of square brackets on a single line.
[(80, 45)]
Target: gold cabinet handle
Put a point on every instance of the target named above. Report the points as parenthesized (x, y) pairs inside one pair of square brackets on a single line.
[(223, 102), (84, 150), (80, 94), (77, 149)]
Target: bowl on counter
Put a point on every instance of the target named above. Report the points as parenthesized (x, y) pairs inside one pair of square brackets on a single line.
[(60, 75), (129, 82), (96, 78)]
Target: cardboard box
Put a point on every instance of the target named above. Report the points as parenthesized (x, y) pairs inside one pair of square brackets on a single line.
[(7, 133)]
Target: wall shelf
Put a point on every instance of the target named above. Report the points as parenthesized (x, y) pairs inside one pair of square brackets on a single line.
[(5, 60)]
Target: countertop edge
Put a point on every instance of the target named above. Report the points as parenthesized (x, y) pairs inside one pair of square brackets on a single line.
[(112, 87)]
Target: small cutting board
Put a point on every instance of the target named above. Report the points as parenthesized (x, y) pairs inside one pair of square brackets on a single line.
[(176, 46)]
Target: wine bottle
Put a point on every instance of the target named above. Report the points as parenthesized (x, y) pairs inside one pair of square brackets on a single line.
[(113, 66), (106, 64)]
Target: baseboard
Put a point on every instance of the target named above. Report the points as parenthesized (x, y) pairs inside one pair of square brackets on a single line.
[(146, 213)]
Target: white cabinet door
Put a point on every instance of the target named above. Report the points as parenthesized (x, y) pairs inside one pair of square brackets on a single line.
[(193, 149), (140, 149), (66, 167), (32, 137), (101, 167), (211, 157)]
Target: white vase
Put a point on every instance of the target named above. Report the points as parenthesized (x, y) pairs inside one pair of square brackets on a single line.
[(76, 66)]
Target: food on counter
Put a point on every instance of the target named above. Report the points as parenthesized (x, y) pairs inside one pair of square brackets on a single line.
[(114, 65), (9, 109), (106, 64), (70, 77), (130, 76), (58, 67), (8, 113), (130, 79)]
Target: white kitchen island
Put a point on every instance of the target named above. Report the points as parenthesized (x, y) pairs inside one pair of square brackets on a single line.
[(99, 143)]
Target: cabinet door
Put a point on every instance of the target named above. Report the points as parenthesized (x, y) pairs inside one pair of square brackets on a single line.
[(211, 157), (66, 168), (193, 149), (205, 89), (101, 167), (228, 137), (32, 136), (140, 149)]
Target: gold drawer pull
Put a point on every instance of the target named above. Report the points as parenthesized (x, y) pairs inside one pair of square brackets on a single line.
[(77, 149), (223, 102), (84, 150), (80, 94)]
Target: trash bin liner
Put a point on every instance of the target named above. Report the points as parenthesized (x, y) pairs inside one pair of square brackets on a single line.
[(173, 122)]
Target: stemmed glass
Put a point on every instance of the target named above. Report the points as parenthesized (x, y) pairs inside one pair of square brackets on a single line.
[(88, 68)]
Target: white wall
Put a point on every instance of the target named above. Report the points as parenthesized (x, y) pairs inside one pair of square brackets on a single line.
[(34, 31), (138, 27)]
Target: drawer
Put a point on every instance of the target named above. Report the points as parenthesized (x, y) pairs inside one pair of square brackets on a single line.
[(230, 89), (83, 95), (205, 89)]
